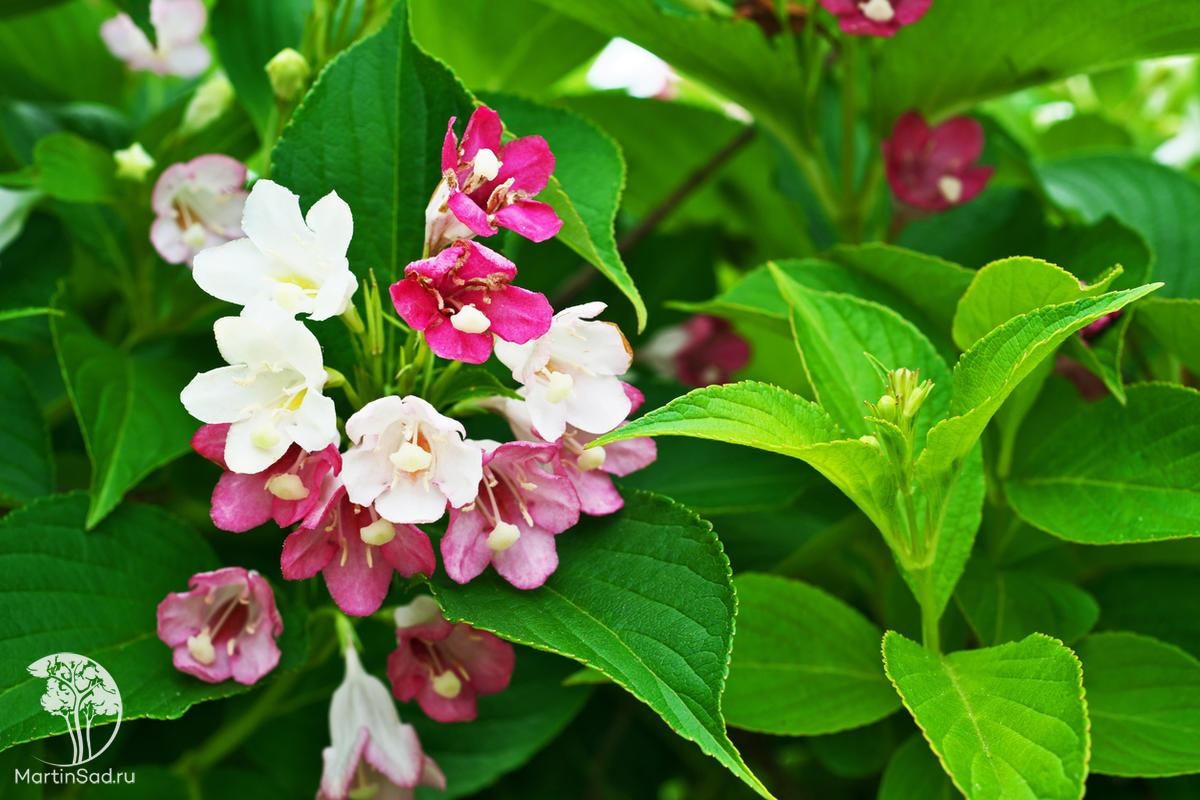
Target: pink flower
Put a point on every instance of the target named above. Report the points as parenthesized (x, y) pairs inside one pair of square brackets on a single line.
[(876, 17), (934, 168), (1091, 333), (224, 627), (590, 471), (177, 27), (524, 500), (286, 491), (486, 184), (371, 753), (462, 296), (445, 666), (355, 550), (197, 204), (702, 351)]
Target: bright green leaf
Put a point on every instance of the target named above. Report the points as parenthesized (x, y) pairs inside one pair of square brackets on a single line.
[(73, 169)]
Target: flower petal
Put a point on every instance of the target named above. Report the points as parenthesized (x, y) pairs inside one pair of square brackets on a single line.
[(465, 554), (529, 562), (241, 502), (533, 219), (519, 315)]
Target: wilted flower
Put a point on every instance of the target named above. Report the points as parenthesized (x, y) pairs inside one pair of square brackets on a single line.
[(700, 352), (463, 296), (569, 375), (934, 168), (523, 501), (270, 392), (876, 17), (177, 28), (486, 184), (197, 205), (372, 754), (297, 262), (355, 550), (286, 491), (443, 665), (223, 627), (409, 460)]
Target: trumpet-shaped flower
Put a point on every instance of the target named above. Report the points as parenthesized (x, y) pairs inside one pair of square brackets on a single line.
[(355, 550), (270, 392), (523, 501), (569, 375), (197, 205), (178, 25), (409, 460), (443, 665), (876, 17), (934, 169), (297, 262), (223, 627), (463, 296), (487, 185), (371, 753), (287, 491)]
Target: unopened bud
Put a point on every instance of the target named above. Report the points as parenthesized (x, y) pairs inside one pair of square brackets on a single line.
[(912, 403), (869, 439), (209, 102), (886, 407), (289, 72), (133, 163)]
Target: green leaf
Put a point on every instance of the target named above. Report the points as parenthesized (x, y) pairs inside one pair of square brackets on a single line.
[(1176, 326), (1158, 202), (1144, 703), (81, 69), (1110, 474), (73, 169), (585, 190), (1003, 605), (1006, 722), (804, 663), (371, 129), (512, 726), (248, 34), (22, 313), (462, 385), (994, 366), (128, 410), (769, 418), (643, 596), (27, 469), (982, 55), (1160, 601), (914, 772), (95, 593)]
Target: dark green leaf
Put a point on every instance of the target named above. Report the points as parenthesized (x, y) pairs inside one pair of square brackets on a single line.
[(27, 469)]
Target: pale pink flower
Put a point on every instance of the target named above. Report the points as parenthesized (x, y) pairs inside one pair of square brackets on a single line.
[(178, 50), (197, 204), (934, 169), (223, 627), (463, 296), (446, 667), (371, 753), (876, 17)]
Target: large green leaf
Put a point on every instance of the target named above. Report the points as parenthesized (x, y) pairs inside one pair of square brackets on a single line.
[(1158, 202), (1144, 703), (645, 597), (69, 167), (128, 410), (1110, 474), (914, 772), (585, 190), (1006, 722), (1160, 601), (983, 52), (81, 67), (1176, 325), (371, 129), (1003, 605), (95, 593), (27, 470), (804, 663)]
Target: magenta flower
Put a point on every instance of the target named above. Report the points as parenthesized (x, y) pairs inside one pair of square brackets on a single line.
[(934, 168), (224, 627), (287, 491), (1091, 333), (443, 665), (462, 296), (700, 352), (486, 184), (355, 550), (876, 17), (371, 753), (197, 204), (524, 501)]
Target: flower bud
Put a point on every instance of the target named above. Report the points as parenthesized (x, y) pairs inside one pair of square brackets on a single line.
[(209, 102), (289, 72), (886, 407), (133, 163)]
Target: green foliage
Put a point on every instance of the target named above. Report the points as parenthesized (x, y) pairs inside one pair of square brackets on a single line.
[(1003, 605), (27, 470), (913, 771)]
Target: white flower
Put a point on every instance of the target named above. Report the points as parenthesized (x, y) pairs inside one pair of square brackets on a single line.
[(178, 25), (271, 392), (409, 460), (197, 205), (297, 262), (570, 375)]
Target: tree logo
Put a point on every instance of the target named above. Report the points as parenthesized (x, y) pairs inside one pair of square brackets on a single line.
[(83, 693)]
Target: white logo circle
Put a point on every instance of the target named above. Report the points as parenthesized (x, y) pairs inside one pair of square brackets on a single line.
[(83, 693)]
